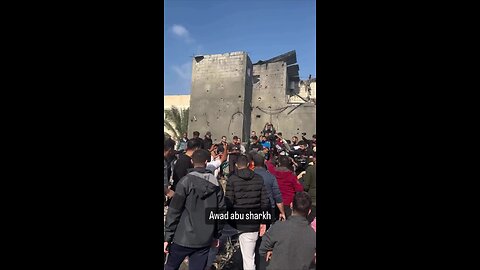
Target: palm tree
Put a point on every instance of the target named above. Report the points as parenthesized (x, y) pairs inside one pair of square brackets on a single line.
[(166, 136), (176, 122)]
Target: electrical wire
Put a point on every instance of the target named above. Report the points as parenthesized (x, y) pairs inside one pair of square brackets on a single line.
[(271, 112)]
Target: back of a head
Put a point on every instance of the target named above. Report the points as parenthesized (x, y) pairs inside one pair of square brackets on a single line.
[(171, 141), (302, 202), (199, 157), (168, 144), (258, 160), (242, 161), (196, 134), (194, 144), (283, 161)]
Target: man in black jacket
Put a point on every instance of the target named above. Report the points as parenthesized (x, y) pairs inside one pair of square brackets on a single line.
[(207, 141), (186, 231), (246, 192), (196, 136), (184, 162), (255, 144)]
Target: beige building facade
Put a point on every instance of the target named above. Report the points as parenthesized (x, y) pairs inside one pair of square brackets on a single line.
[(179, 101)]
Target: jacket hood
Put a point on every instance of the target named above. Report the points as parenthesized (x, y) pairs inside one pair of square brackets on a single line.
[(245, 174), (207, 183)]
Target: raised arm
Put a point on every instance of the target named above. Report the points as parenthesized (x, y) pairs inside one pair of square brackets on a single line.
[(225, 153)]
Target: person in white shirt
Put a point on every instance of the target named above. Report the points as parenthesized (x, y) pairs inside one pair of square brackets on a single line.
[(242, 148), (217, 159)]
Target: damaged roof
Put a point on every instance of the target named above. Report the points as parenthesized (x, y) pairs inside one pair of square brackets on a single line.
[(292, 71), (290, 58)]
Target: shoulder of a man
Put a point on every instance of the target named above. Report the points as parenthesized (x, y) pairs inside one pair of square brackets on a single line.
[(182, 161), (185, 180), (234, 178), (278, 227), (266, 176), (183, 158), (215, 163), (257, 177)]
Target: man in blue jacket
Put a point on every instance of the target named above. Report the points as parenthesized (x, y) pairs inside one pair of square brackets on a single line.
[(271, 185)]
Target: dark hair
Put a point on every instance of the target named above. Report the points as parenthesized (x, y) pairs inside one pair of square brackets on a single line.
[(258, 160), (302, 202), (314, 136), (255, 138), (283, 161), (242, 161), (279, 133), (302, 143), (295, 137), (194, 144), (168, 144), (235, 137), (200, 156), (196, 133)]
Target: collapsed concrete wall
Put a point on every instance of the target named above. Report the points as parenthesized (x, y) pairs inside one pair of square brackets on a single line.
[(276, 85), (231, 96), (219, 94)]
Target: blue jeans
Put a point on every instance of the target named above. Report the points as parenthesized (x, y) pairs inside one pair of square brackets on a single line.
[(197, 257)]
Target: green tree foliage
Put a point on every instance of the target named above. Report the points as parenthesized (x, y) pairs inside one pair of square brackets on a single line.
[(176, 122)]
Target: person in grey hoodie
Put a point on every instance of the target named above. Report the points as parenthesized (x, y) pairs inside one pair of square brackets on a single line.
[(187, 232), (291, 244)]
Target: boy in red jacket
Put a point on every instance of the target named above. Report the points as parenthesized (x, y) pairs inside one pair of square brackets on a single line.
[(287, 181)]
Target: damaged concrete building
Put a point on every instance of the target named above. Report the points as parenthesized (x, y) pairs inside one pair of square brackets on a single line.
[(231, 96)]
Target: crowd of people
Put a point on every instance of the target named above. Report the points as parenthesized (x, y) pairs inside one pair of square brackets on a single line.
[(268, 173)]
